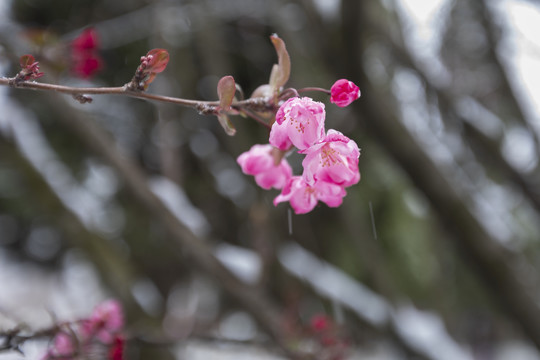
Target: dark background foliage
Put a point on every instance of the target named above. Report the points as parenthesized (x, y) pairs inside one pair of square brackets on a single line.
[(443, 219)]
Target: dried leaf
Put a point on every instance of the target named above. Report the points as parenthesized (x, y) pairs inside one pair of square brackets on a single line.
[(226, 89), (226, 124), (280, 74)]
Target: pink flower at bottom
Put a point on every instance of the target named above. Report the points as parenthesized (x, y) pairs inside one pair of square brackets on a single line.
[(344, 92), (105, 322), (116, 352), (304, 197), (259, 161), (63, 348), (334, 159)]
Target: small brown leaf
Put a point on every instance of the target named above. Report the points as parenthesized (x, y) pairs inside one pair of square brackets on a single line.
[(226, 89), (280, 73), (226, 124)]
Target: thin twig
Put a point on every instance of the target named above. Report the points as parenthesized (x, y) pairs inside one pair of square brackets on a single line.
[(306, 89), (253, 103)]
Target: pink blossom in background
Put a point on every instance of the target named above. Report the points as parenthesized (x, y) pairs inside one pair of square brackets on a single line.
[(87, 40), (344, 92), (106, 321), (63, 348), (333, 159), (87, 67), (86, 61), (101, 332), (319, 322), (299, 122), (303, 197), (116, 352), (259, 161)]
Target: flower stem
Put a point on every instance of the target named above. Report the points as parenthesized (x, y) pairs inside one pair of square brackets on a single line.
[(306, 89)]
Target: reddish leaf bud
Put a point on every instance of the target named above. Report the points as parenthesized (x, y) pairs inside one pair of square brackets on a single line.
[(26, 60), (29, 68), (157, 60)]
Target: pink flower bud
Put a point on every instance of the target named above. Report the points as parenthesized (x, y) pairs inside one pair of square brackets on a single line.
[(259, 161), (344, 92), (304, 197), (299, 122), (334, 159)]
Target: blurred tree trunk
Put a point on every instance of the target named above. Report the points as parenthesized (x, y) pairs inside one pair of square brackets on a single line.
[(493, 263)]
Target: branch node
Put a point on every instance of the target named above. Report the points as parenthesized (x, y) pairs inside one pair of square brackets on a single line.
[(83, 99), (205, 109)]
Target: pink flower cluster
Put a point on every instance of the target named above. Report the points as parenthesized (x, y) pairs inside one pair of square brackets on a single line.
[(102, 331), (331, 162)]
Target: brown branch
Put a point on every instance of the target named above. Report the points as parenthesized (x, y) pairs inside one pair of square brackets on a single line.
[(207, 107), (121, 90), (13, 339)]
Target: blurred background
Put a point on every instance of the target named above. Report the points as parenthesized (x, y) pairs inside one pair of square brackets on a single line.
[(435, 254)]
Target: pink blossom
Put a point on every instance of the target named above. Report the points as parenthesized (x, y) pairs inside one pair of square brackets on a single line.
[(344, 92), (299, 122), (84, 53), (260, 161), (87, 40), (86, 67), (320, 322), (304, 197), (116, 352), (334, 159), (106, 320), (63, 348)]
